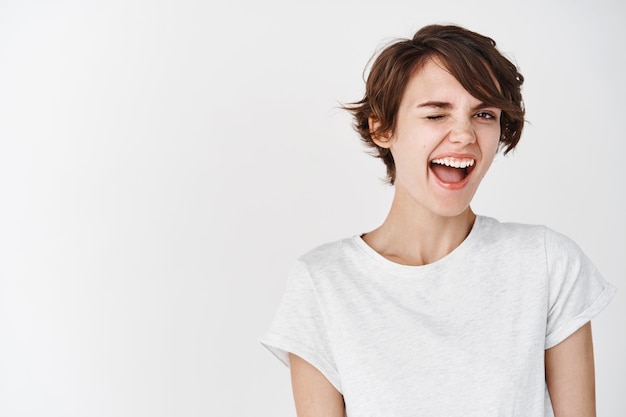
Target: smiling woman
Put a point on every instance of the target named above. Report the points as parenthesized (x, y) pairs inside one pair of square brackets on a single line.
[(438, 127), (439, 311), (473, 62)]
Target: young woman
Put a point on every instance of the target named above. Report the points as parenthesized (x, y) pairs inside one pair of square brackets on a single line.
[(440, 312)]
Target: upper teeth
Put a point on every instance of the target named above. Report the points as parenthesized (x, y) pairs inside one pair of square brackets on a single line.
[(453, 162)]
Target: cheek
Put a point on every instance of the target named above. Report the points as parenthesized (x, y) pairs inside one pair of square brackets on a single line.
[(490, 141), (494, 146), (409, 154)]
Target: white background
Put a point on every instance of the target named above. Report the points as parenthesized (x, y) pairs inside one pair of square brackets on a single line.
[(162, 163)]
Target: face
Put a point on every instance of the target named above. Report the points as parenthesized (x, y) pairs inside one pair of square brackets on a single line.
[(443, 143)]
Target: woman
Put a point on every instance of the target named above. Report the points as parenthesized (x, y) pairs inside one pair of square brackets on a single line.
[(440, 312)]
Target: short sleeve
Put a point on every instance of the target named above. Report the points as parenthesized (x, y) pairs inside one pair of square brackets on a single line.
[(299, 326), (577, 291)]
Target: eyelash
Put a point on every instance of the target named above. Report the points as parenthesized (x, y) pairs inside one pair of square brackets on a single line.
[(485, 115)]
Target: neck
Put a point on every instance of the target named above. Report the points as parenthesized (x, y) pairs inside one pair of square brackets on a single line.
[(416, 236)]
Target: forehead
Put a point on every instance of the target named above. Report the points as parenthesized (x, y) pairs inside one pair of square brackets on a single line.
[(432, 80)]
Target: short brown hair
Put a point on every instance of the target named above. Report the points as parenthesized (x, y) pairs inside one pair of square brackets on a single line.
[(470, 57)]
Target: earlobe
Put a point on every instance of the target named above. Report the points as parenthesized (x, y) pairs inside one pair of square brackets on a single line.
[(383, 140)]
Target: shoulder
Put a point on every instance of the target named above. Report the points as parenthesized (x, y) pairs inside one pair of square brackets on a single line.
[(511, 233), (330, 253), (524, 238), (333, 264)]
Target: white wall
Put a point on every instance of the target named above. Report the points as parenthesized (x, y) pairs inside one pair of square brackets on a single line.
[(163, 162)]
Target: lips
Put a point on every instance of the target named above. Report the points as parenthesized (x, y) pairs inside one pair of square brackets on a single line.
[(452, 170)]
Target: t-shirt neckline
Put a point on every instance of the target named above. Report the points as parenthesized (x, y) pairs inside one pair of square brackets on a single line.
[(381, 260)]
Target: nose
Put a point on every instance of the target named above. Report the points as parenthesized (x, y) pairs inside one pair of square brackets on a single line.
[(462, 132)]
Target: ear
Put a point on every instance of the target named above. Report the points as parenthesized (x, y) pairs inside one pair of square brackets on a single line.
[(383, 140)]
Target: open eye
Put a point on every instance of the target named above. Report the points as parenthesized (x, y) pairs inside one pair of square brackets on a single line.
[(485, 115)]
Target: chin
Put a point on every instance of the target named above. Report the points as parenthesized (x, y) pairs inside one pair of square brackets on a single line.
[(452, 209)]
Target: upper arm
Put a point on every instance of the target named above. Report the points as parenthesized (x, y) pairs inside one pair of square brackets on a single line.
[(570, 375), (314, 395)]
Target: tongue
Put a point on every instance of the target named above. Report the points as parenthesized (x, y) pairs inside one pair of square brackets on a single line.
[(448, 174)]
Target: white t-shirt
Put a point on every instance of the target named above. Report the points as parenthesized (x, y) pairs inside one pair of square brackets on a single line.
[(464, 336)]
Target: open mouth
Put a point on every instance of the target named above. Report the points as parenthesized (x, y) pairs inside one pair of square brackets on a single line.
[(452, 170)]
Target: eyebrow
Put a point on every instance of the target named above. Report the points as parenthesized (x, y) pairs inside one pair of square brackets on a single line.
[(437, 104), (445, 105)]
